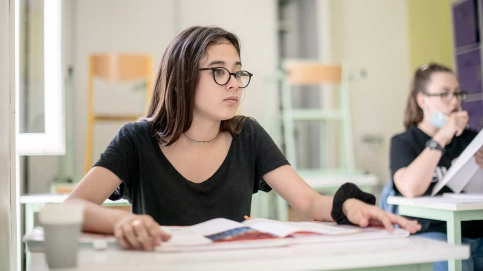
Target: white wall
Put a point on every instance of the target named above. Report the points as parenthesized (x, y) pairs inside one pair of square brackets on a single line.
[(9, 249), (374, 34), (147, 26)]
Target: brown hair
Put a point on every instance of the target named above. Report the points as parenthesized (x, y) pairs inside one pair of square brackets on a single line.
[(414, 114), (171, 110)]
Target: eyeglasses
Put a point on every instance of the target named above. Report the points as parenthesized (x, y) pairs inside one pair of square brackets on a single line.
[(448, 96), (222, 76)]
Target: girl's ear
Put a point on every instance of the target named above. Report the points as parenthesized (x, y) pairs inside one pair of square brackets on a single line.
[(420, 100)]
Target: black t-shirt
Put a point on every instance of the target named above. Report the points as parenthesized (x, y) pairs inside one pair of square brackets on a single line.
[(154, 187), (406, 147)]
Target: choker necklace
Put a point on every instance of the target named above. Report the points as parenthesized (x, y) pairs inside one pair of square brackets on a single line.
[(202, 141)]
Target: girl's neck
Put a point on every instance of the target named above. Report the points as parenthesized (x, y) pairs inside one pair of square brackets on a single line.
[(427, 127), (203, 130)]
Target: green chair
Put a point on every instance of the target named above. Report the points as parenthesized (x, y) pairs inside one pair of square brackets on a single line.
[(336, 167)]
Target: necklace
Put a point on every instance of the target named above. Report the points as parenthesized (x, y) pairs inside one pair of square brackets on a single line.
[(202, 141)]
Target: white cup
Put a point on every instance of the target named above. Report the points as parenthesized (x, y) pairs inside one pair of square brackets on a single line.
[(62, 225)]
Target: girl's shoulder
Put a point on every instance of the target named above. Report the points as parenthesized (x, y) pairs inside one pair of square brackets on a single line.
[(411, 134), (251, 127), (140, 128)]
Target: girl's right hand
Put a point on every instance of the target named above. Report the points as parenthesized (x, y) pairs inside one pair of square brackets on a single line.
[(139, 232), (455, 125)]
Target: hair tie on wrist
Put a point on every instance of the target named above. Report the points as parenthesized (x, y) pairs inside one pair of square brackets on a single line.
[(345, 192)]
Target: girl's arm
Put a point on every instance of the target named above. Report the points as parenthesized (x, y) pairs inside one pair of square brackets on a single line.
[(313, 206), (92, 191), (413, 180), (131, 231)]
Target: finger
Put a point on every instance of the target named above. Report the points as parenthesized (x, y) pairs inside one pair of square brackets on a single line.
[(406, 223), (130, 236), (154, 232), (120, 238), (410, 225), (363, 222), (462, 114), (142, 234), (479, 161), (165, 236), (383, 217)]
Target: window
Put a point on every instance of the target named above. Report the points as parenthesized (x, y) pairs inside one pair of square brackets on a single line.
[(40, 107)]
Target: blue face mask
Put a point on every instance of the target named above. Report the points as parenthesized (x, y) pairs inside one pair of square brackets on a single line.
[(438, 119)]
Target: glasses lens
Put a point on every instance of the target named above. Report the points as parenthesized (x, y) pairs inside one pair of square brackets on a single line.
[(243, 78), (461, 96), (221, 75)]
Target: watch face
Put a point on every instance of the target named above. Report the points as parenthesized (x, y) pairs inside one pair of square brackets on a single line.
[(433, 145)]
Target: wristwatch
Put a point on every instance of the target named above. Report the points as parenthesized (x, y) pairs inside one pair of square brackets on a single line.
[(434, 145)]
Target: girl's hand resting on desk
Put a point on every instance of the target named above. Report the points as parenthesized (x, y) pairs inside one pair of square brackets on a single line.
[(479, 157), (139, 232), (363, 215)]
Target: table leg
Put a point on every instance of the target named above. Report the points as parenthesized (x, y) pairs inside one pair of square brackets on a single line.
[(454, 237)]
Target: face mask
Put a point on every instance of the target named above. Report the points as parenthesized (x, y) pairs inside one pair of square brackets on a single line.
[(438, 119)]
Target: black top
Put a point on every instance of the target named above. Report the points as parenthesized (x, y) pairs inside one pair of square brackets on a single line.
[(154, 187), (406, 147)]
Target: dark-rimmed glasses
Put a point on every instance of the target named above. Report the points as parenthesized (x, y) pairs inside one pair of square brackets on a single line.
[(448, 96), (222, 76)]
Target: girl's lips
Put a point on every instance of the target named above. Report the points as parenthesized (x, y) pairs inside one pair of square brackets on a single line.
[(231, 99)]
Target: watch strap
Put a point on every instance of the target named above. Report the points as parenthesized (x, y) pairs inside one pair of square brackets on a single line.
[(434, 145)]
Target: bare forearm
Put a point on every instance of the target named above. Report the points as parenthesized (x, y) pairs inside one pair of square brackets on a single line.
[(97, 218), (414, 180), (320, 208)]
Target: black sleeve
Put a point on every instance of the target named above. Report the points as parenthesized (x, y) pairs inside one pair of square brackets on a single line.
[(119, 156), (401, 155), (267, 154)]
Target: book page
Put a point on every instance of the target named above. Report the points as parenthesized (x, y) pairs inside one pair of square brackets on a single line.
[(283, 229), (464, 169), (217, 230)]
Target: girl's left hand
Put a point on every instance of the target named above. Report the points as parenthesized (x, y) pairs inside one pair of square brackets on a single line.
[(363, 215), (479, 157)]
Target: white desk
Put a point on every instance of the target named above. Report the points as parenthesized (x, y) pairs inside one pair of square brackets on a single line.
[(412, 253), (451, 210)]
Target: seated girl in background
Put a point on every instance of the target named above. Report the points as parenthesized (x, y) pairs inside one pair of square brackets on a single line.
[(435, 135), (191, 159)]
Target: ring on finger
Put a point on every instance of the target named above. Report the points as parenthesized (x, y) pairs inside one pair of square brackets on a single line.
[(136, 222)]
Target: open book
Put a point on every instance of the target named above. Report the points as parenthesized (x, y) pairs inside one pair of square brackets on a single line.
[(464, 173), (221, 233)]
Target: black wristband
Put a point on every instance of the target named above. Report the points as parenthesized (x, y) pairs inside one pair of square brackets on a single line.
[(345, 192)]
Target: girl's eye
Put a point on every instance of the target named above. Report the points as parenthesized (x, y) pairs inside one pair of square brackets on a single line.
[(219, 72), (444, 95)]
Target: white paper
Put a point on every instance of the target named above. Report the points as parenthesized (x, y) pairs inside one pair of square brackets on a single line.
[(464, 173), (283, 229), (472, 196)]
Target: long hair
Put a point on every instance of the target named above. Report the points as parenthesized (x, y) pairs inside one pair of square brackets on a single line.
[(171, 110), (414, 114)]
